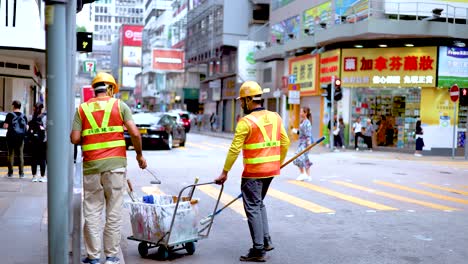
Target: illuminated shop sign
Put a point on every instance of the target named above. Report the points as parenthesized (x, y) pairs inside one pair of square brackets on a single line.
[(404, 67), (305, 68)]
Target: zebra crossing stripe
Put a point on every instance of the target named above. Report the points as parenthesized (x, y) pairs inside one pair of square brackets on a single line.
[(434, 195), (395, 197), (444, 188), (345, 197), (298, 202)]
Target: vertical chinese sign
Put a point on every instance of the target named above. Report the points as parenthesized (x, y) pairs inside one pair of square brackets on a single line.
[(390, 67), (329, 66), (305, 68)]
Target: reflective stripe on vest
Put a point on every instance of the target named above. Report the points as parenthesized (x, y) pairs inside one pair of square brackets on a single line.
[(110, 144)]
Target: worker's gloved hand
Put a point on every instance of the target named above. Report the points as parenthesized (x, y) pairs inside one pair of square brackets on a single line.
[(295, 131)]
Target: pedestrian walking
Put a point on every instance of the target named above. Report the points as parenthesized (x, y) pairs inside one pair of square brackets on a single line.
[(305, 139), (213, 119), (341, 127), (38, 142), (98, 127), (357, 130), (261, 136), (16, 124), (419, 139), (368, 134)]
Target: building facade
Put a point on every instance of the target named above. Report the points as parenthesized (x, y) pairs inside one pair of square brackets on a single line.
[(395, 61), (220, 44), (22, 55)]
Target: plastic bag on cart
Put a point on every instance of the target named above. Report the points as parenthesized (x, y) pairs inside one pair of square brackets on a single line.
[(150, 222)]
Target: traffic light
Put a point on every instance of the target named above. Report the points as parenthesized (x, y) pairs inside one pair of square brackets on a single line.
[(338, 94), (138, 105), (327, 91), (464, 97)]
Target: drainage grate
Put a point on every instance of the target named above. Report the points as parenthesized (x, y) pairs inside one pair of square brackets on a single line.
[(399, 173), (445, 172)]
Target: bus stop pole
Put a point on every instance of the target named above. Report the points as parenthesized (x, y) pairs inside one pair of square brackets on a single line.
[(57, 186)]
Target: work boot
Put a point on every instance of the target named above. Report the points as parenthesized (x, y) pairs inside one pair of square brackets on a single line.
[(254, 255), (267, 244)]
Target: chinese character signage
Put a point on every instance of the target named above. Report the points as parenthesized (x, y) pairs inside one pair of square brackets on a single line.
[(329, 65), (306, 70), (453, 67), (389, 67)]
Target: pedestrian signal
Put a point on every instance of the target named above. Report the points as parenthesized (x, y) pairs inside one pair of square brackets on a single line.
[(84, 41), (463, 97), (338, 94)]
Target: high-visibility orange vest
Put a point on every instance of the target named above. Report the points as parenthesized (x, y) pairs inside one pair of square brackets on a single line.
[(102, 129), (261, 149)]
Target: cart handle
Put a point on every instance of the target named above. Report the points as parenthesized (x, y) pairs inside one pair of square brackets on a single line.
[(193, 186)]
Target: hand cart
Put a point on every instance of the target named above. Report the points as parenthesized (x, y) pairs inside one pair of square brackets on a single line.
[(170, 224)]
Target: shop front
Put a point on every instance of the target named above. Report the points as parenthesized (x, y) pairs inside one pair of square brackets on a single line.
[(387, 85), (305, 70)]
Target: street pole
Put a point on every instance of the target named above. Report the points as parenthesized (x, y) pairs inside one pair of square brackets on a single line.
[(57, 187), (74, 184), (454, 128), (332, 112)]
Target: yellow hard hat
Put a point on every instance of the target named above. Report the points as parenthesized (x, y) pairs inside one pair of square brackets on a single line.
[(103, 77), (249, 88)]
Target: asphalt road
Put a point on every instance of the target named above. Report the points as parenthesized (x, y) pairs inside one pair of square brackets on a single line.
[(359, 208)]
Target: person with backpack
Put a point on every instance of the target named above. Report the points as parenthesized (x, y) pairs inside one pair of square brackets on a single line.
[(38, 141), (16, 125)]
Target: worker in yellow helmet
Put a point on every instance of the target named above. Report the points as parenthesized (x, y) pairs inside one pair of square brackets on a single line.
[(261, 136), (98, 127)]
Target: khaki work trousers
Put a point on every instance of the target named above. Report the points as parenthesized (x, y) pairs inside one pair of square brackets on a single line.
[(106, 188)]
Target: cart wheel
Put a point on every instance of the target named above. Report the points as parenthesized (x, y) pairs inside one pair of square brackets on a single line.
[(190, 247), (143, 249), (163, 252)]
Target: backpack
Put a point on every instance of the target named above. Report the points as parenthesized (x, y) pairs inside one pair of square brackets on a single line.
[(35, 133), (19, 125)]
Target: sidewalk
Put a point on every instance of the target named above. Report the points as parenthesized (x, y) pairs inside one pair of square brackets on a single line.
[(23, 220)]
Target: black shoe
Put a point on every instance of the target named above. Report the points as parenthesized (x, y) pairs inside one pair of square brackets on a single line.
[(21, 176), (254, 255), (267, 244)]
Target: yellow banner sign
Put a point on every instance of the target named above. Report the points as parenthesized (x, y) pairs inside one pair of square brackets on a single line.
[(389, 67), (329, 65), (306, 70)]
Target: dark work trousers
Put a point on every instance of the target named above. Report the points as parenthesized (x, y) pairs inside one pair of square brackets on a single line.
[(15, 146), (38, 157), (338, 141), (368, 141), (357, 135), (253, 193)]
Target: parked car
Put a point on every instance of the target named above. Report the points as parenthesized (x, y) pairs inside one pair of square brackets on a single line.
[(158, 129), (185, 116)]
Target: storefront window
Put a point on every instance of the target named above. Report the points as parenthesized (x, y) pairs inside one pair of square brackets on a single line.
[(393, 112)]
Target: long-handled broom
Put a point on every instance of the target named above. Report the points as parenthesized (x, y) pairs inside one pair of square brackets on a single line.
[(209, 217)]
